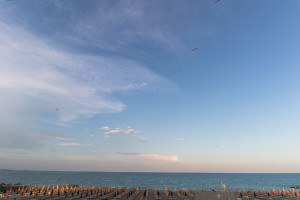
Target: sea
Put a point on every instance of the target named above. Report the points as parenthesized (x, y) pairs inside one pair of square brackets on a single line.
[(205, 181)]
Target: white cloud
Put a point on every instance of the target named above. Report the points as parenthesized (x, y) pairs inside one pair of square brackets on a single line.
[(105, 128), (131, 131), (114, 131), (119, 131)]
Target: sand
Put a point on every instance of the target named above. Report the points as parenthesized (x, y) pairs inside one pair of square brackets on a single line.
[(134, 194)]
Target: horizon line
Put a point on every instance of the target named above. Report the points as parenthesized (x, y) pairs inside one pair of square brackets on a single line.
[(150, 172)]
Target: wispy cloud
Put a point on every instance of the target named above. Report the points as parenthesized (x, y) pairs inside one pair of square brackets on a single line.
[(114, 131), (82, 158), (20, 153), (129, 131), (63, 138), (67, 144), (35, 78), (152, 156), (128, 154), (60, 124), (122, 24), (177, 140), (160, 157), (142, 139)]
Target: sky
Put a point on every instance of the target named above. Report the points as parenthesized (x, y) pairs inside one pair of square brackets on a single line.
[(117, 85)]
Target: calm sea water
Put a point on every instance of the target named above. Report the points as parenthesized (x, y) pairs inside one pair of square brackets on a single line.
[(206, 181)]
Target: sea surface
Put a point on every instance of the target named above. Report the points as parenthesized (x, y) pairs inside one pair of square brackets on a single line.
[(206, 181)]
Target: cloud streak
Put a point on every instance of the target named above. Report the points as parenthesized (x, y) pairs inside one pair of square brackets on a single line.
[(129, 131), (152, 156), (68, 144), (63, 138), (178, 140), (114, 132)]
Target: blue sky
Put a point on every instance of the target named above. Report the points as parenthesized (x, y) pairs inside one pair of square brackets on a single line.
[(133, 96)]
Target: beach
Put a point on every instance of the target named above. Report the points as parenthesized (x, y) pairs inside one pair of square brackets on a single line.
[(74, 192)]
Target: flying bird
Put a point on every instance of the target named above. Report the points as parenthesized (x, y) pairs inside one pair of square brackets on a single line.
[(56, 109), (217, 1), (196, 48)]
